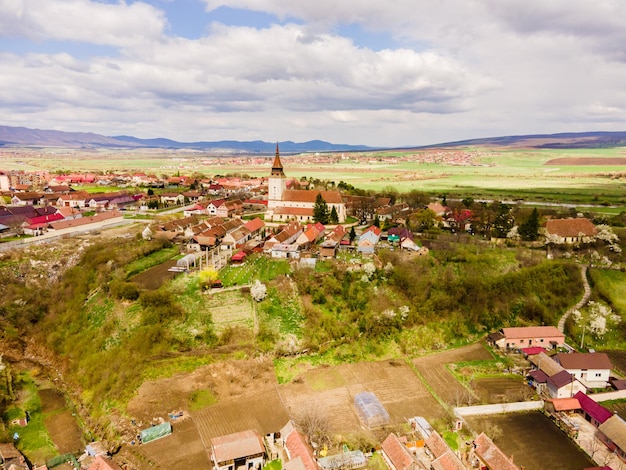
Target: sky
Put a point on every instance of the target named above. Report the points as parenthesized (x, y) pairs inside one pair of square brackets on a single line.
[(362, 72)]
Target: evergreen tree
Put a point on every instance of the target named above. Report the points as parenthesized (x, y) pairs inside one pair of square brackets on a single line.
[(334, 218), (352, 234), (503, 221), (320, 210), (376, 221), (529, 229)]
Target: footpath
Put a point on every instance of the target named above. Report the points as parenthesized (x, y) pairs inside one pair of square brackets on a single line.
[(581, 303)]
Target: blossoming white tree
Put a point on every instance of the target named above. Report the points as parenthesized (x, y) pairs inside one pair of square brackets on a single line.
[(597, 318), (258, 291)]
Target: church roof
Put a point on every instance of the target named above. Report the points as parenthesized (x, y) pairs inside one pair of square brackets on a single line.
[(305, 195), (277, 166)]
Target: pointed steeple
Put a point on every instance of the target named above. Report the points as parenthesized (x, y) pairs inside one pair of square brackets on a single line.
[(277, 166)]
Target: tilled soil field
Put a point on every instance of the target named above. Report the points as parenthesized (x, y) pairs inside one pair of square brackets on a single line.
[(439, 378), (331, 391)]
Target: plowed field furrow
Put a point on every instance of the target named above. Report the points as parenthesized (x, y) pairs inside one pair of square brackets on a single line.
[(434, 371)]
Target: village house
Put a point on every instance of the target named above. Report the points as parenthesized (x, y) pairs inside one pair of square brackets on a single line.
[(74, 199), (490, 456), (103, 463), (26, 199), (368, 240), (238, 451), (255, 226), (310, 236), (592, 369), (613, 434), (229, 208), (296, 448), (591, 410), (214, 205), (548, 337), (11, 458), (564, 385), (396, 454), (551, 377), (444, 457), (570, 230), (172, 199)]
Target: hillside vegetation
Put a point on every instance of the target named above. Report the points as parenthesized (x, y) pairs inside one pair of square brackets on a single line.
[(109, 336)]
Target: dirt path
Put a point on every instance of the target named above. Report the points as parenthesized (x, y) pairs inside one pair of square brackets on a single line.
[(581, 303)]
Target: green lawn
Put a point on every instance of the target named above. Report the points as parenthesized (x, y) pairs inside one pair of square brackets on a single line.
[(612, 285), (255, 267), (34, 440)]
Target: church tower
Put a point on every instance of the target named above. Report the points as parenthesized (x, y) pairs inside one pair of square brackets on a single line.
[(277, 182)]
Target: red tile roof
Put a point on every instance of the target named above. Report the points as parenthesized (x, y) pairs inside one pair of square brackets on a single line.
[(296, 446), (255, 224), (491, 455), (397, 453), (566, 404), (568, 228), (523, 332), (104, 464), (305, 195)]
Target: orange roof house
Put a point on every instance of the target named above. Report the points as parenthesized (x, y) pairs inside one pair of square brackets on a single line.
[(571, 230)]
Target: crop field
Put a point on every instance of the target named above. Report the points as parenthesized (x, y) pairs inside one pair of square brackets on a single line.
[(501, 389), (331, 391), (487, 170), (618, 358), (542, 447), (230, 308), (183, 448), (434, 371), (255, 267)]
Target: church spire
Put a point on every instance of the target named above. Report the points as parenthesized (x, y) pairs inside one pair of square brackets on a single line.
[(277, 166)]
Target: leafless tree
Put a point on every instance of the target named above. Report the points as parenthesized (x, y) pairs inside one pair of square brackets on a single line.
[(315, 425)]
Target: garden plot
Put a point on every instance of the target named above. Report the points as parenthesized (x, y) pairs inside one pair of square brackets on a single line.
[(331, 391), (502, 389), (533, 440), (433, 369), (231, 308)]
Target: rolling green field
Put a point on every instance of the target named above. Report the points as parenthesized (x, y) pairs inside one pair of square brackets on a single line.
[(504, 173)]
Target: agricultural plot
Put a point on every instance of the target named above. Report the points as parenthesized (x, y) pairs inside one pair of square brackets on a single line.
[(262, 411), (533, 440), (154, 277), (181, 449), (230, 308), (618, 359), (255, 267), (502, 389), (60, 422), (434, 371), (331, 391)]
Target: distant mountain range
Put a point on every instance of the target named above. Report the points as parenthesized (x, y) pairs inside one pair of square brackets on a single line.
[(24, 137), (555, 141)]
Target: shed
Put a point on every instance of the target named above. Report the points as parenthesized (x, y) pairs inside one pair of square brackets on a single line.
[(156, 432), (238, 257), (370, 410)]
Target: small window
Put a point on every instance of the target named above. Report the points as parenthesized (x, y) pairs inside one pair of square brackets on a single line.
[(541, 340)]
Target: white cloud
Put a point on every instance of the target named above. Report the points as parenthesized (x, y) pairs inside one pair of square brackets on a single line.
[(87, 21), (465, 69)]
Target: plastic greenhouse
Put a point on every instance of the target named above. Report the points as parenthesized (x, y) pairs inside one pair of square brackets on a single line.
[(370, 410)]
